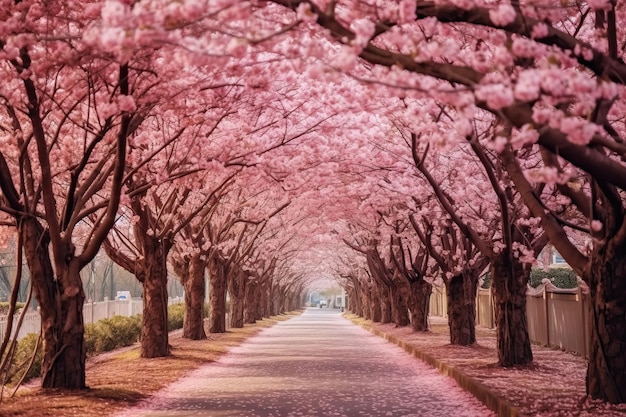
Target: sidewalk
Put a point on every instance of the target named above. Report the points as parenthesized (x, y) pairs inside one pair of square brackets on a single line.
[(553, 386), (314, 364)]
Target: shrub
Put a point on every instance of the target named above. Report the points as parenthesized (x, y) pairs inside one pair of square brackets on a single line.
[(23, 354), (4, 307), (109, 334), (486, 281), (560, 277), (175, 316)]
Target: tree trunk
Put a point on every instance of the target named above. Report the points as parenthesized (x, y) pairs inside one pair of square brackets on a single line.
[(374, 304), (508, 285), (193, 326), (461, 295), (267, 305), (367, 299), (260, 301), (217, 298), (252, 302), (68, 368), (154, 331), (61, 311), (273, 305), (419, 304), (237, 291), (384, 300), (606, 276), (399, 306)]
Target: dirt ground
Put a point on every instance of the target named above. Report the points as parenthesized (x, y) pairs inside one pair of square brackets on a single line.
[(121, 378)]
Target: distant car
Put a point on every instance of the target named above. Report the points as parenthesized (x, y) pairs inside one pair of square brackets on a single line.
[(322, 303), (123, 296)]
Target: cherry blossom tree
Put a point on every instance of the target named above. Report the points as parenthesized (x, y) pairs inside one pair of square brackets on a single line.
[(412, 263), (66, 117), (554, 73)]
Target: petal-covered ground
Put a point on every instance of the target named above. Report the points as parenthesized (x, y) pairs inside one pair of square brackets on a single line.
[(315, 364), (552, 386)]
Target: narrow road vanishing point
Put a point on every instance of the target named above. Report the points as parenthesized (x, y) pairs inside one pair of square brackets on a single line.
[(315, 364)]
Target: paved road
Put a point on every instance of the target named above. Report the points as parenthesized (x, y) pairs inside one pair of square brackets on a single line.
[(315, 364)]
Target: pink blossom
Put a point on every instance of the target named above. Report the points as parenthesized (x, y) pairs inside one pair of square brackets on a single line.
[(107, 110), (525, 48), (114, 13), (578, 131), (525, 136), (502, 15), (587, 53), (596, 225), (112, 38), (540, 30), (496, 95), (546, 175), (193, 9), (237, 47), (346, 58), (498, 144), (363, 30), (600, 4), (126, 103), (527, 87), (305, 14), (541, 115), (464, 4), (406, 11)]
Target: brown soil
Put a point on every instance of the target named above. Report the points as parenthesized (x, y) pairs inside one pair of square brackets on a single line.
[(121, 378)]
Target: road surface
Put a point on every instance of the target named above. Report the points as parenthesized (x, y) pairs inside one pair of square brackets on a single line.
[(314, 364)]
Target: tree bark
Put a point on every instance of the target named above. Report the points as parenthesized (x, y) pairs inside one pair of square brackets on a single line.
[(194, 284), (606, 276), (461, 296), (237, 291), (252, 297), (375, 310), (154, 331), (267, 295), (384, 300), (61, 310), (400, 306), (509, 280), (419, 304), (217, 297)]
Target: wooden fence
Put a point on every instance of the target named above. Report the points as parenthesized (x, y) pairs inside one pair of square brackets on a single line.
[(556, 317), (92, 312)]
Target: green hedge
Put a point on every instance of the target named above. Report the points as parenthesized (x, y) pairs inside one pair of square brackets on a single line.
[(175, 316), (560, 277), (21, 359), (102, 336), (4, 307), (112, 333)]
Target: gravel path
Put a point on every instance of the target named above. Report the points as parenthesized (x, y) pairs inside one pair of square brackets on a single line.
[(315, 364)]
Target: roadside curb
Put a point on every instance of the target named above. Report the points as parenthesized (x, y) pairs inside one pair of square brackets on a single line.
[(487, 396)]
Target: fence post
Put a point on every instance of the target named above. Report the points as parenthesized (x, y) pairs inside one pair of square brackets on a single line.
[(579, 298), (545, 307), (492, 312)]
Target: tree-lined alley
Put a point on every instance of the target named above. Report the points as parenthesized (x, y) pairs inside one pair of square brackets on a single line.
[(388, 145)]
